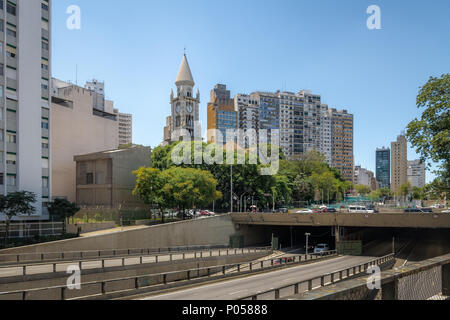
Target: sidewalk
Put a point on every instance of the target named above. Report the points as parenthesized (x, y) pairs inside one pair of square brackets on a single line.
[(113, 230)]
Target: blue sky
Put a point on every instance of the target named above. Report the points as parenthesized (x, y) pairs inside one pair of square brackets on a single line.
[(136, 47)]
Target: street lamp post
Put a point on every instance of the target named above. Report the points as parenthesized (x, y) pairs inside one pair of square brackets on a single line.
[(307, 236)]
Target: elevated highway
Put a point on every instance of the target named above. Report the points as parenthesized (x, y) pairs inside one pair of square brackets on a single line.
[(377, 220)]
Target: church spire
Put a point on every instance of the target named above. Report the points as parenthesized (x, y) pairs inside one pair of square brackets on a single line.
[(184, 75)]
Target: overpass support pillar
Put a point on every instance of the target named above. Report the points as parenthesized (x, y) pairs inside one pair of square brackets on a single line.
[(337, 236), (446, 280)]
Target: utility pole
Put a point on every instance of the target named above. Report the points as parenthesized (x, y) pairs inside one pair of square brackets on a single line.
[(307, 236), (231, 193)]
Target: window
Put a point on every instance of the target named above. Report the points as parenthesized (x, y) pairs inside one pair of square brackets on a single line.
[(11, 32), (44, 66), (1, 91), (11, 181), (45, 45), (45, 144), (44, 6), (45, 124), (44, 25), (11, 159), (45, 163), (11, 73), (89, 178), (1, 26), (11, 138), (10, 52), (44, 182), (1, 179), (11, 9)]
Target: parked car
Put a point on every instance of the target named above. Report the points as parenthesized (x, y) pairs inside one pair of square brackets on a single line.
[(283, 210), (418, 210), (331, 210), (322, 247), (210, 213), (305, 211), (446, 211), (283, 260)]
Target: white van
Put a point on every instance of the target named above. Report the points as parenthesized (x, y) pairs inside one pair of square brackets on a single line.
[(359, 209)]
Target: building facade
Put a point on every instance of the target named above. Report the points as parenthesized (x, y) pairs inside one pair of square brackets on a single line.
[(184, 108), (383, 167), (25, 68), (106, 178), (221, 115), (77, 128), (125, 127), (399, 163), (365, 177), (247, 109), (416, 173), (342, 142)]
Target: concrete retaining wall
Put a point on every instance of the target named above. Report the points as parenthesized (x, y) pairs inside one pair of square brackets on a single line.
[(208, 231)]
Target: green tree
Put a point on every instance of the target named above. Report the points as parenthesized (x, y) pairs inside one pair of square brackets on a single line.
[(149, 184), (362, 189), (430, 134), (62, 209), (417, 193), (14, 204)]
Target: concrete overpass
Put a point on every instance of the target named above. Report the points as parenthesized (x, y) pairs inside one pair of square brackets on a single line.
[(377, 220)]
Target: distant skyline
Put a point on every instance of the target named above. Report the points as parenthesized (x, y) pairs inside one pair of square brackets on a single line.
[(322, 46)]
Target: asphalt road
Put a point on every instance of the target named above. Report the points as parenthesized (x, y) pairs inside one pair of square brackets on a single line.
[(109, 262), (238, 288)]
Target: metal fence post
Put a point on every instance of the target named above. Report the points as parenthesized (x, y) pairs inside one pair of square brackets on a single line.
[(136, 283), (277, 294), (296, 288), (332, 278), (189, 274), (262, 264), (24, 270), (322, 281), (156, 257), (250, 266), (63, 293), (223, 270), (165, 278), (446, 279), (103, 287), (54, 268), (170, 257), (140, 260), (309, 285), (123, 262)]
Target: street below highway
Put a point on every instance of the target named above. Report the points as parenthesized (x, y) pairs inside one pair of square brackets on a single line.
[(238, 288)]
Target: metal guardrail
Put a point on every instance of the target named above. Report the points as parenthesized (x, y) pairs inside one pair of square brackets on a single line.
[(100, 288), (309, 283), (19, 230), (429, 279), (171, 256), (80, 255)]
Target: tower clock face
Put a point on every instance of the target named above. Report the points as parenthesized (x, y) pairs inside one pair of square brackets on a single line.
[(189, 108), (178, 108)]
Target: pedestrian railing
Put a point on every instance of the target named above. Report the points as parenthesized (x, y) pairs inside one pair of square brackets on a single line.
[(141, 259), (107, 253), (317, 282), (155, 282)]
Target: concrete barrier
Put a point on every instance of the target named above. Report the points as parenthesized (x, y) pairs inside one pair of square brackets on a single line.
[(205, 231)]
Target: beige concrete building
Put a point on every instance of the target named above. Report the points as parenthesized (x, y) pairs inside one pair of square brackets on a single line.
[(416, 173), (107, 179), (399, 163), (342, 142), (77, 128)]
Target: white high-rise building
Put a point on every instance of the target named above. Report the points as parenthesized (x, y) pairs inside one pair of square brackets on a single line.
[(125, 127), (416, 173), (25, 69)]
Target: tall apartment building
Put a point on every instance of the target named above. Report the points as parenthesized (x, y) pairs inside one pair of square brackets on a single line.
[(25, 68), (416, 173), (125, 127), (342, 142), (77, 128), (184, 107), (221, 114), (383, 167), (269, 113), (247, 109), (399, 163), (291, 124)]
